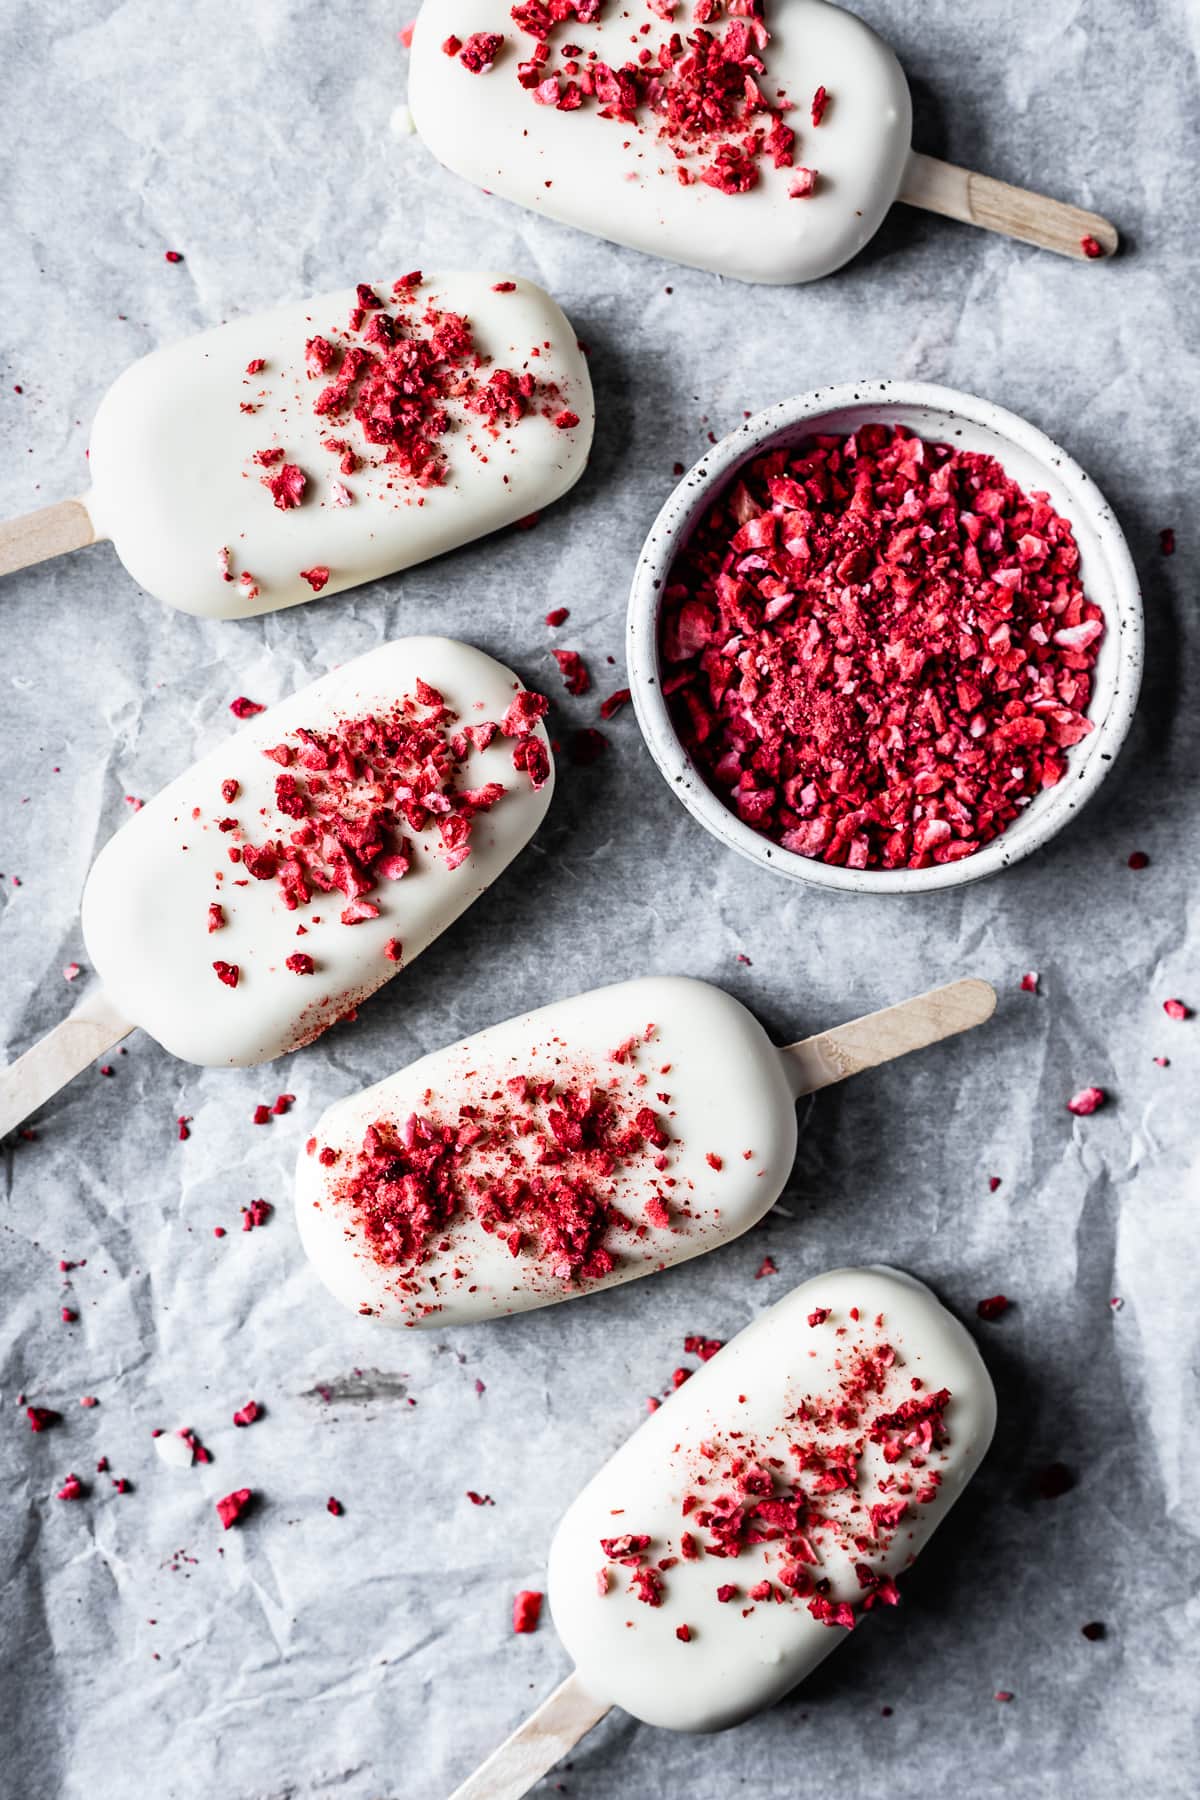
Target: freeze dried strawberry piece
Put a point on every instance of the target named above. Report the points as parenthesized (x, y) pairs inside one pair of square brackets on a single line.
[(647, 1584), (316, 577), (558, 616), (683, 1633), (257, 1213), (335, 1507), (566, 420), (287, 487), (300, 963), (1091, 246), (1029, 982), (524, 713), (229, 973), (726, 1592), (766, 1267), (71, 1489), (704, 1348), (241, 708), (480, 51), (614, 703), (573, 670), (41, 1418), (527, 1610), (232, 1507), (820, 102), (1175, 1009), (247, 1414), (818, 1316), (1087, 1100), (1166, 541), (994, 1308), (877, 648)]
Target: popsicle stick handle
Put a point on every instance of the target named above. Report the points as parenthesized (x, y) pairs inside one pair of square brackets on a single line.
[(534, 1747), (942, 187), (94, 1027), (37, 536), (817, 1062)]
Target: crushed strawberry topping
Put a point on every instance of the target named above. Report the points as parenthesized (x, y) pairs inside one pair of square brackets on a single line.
[(705, 96), (346, 797), (534, 1162), (819, 1510), (231, 1508), (878, 650), (387, 379)]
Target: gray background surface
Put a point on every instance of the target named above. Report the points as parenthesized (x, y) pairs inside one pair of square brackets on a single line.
[(372, 1656)]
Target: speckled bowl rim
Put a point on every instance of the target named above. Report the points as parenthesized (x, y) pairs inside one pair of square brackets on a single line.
[(1112, 710)]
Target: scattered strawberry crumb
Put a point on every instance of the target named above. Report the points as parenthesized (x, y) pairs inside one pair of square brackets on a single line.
[(527, 1610), (232, 1506), (1087, 1100)]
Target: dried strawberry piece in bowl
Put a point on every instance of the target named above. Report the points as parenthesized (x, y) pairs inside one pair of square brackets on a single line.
[(877, 649)]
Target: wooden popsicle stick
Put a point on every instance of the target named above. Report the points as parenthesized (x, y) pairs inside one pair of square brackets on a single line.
[(817, 1062), (37, 536), (534, 1747), (94, 1027), (943, 187)]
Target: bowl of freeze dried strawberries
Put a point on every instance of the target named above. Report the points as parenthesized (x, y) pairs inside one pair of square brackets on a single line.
[(885, 637)]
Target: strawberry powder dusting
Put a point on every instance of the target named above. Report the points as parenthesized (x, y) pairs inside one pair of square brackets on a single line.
[(877, 649)]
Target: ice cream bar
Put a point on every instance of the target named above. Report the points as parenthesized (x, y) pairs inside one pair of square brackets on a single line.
[(301, 863), (765, 141), (585, 1144), (330, 442), (760, 1514)]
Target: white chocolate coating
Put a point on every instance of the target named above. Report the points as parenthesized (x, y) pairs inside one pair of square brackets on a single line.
[(174, 483), (728, 1093), (736, 1663), (145, 906), (618, 181)]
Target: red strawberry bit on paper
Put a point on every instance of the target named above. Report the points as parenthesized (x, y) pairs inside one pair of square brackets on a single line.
[(527, 1610), (299, 963), (317, 577), (573, 670), (71, 1489), (995, 1308), (613, 704), (1176, 1009), (704, 1348), (820, 102), (262, 1114), (765, 1268), (247, 1414), (41, 1418), (241, 708), (1029, 982), (1166, 541), (1088, 1100), (557, 616), (256, 1214), (232, 1507), (173, 256), (334, 1506)]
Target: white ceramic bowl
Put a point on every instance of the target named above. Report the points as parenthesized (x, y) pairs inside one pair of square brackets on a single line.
[(1030, 458)]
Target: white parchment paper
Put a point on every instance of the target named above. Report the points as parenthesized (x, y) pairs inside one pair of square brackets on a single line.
[(144, 1651)]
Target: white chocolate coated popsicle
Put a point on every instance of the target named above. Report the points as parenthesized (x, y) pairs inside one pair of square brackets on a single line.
[(838, 1429), (310, 793), (619, 179), (187, 442), (585, 1144)]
